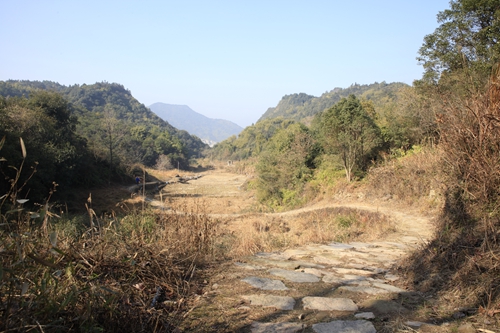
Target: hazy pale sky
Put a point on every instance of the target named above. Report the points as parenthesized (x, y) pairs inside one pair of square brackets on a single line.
[(224, 59)]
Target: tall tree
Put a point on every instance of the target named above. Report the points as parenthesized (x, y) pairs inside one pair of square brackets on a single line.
[(468, 36), (347, 129)]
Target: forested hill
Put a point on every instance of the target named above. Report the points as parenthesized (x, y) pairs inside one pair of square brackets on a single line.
[(141, 136), (302, 107), (183, 117)]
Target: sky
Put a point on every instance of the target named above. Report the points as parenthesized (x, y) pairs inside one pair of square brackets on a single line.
[(224, 59)]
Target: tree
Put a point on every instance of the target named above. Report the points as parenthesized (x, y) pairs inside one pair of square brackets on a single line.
[(467, 37), (346, 129), (286, 165)]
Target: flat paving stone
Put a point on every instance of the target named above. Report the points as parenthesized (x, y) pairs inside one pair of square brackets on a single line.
[(272, 255), (340, 246), (391, 277), (388, 287), (271, 301), (296, 253), (294, 276), (345, 326), (275, 327), (287, 264), (346, 279), (248, 266), (364, 289), (365, 315), (264, 283), (328, 304), (328, 259), (314, 271)]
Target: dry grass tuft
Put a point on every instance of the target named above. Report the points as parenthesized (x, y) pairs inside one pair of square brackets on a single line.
[(258, 233)]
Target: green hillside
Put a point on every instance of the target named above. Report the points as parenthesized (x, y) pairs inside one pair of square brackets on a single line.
[(108, 110), (302, 107)]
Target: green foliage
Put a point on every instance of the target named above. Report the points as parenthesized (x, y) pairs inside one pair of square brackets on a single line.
[(466, 38), (115, 124), (45, 124), (251, 141), (347, 130), (302, 107), (285, 165)]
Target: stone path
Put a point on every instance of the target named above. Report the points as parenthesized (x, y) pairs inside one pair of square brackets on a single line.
[(346, 273), (324, 288)]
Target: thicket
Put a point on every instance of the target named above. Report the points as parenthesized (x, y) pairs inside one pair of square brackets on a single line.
[(462, 81), (58, 156)]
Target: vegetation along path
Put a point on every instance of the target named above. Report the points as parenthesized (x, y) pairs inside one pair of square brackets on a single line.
[(332, 287)]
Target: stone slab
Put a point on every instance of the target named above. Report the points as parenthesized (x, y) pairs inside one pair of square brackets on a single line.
[(294, 276), (391, 277), (264, 283), (328, 304), (345, 326), (340, 246), (346, 279), (328, 259), (365, 315), (275, 327), (272, 255), (388, 287), (271, 301), (364, 289), (248, 266)]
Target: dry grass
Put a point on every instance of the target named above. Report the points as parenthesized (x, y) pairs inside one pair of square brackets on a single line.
[(132, 273), (253, 233), (414, 179)]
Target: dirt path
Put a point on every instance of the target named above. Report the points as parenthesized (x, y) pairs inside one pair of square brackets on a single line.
[(311, 288)]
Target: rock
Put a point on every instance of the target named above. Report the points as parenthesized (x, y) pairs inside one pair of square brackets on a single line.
[(340, 246), (264, 283), (391, 277), (388, 287), (365, 315), (328, 304), (270, 301), (248, 266), (294, 276), (364, 289), (328, 259), (314, 271), (345, 326), (272, 255), (275, 327), (383, 307)]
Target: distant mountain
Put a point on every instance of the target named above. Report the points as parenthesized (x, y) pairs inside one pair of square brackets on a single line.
[(183, 117), (302, 107)]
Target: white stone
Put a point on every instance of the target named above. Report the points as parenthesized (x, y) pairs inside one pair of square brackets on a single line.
[(271, 301), (328, 304), (294, 276), (365, 315), (264, 283)]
